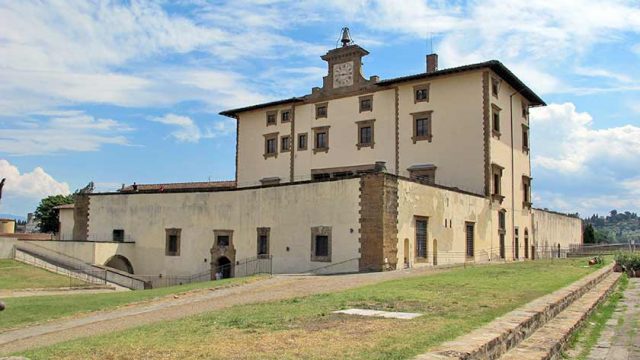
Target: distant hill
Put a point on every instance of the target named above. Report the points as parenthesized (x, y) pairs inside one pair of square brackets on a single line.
[(617, 227), (11, 216)]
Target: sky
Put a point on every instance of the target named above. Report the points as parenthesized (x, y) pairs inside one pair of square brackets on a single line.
[(122, 91)]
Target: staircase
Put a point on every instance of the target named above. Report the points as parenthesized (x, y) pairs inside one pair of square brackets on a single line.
[(538, 330)]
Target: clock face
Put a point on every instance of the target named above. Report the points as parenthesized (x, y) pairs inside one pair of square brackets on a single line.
[(343, 74)]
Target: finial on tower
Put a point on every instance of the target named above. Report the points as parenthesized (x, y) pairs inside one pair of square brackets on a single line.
[(346, 37)]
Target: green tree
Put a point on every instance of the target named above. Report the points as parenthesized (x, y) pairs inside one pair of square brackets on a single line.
[(589, 235), (47, 216)]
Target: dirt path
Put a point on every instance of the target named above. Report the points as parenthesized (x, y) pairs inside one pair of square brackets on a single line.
[(48, 292), (620, 340), (278, 287)]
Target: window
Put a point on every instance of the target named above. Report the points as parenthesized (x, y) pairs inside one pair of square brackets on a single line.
[(285, 116), (223, 238), (172, 245), (365, 134), (285, 143), (425, 173), (421, 237), (271, 145), (526, 192), (321, 243), (526, 243), (469, 227), (271, 117), (516, 243), (525, 110), (321, 110), (422, 126), (263, 241), (495, 115), (496, 171), (366, 103), (118, 235), (302, 141), (495, 86), (502, 226), (525, 138), (421, 93), (321, 138)]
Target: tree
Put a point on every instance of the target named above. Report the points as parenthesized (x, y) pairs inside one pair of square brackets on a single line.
[(589, 235), (47, 216)]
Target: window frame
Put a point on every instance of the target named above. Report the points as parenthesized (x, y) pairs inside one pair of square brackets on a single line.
[(526, 192), (321, 231), (496, 186), (495, 114), (361, 125), (282, 115), (284, 138), (324, 105), (495, 86), (319, 130), (267, 137), (217, 233), (273, 113), (365, 98), (421, 87), (417, 256), (419, 174), (263, 231), (471, 224), (422, 115), (525, 138), (168, 234), (306, 141)]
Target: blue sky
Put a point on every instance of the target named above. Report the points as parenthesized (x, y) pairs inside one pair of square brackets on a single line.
[(117, 92)]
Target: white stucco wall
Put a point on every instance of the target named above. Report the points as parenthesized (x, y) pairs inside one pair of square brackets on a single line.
[(65, 217), (437, 205), (290, 211), (552, 229)]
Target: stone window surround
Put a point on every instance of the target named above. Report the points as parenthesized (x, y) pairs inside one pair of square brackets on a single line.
[(263, 231), (473, 236), (495, 110), (326, 107), (366, 123), (316, 131), (496, 170), (526, 188), (282, 139), (306, 142), (421, 87), (418, 259), (217, 233), (270, 136), (365, 97), (285, 111), (502, 221), (495, 86), (418, 171), (172, 232), (270, 181), (422, 115), (525, 138), (320, 230), (273, 113)]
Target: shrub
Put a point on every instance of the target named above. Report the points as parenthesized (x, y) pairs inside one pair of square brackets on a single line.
[(628, 260)]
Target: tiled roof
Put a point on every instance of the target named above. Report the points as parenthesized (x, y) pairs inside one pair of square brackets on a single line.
[(205, 185)]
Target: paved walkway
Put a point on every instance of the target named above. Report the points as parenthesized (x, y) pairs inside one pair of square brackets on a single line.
[(170, 308), (620, 340)]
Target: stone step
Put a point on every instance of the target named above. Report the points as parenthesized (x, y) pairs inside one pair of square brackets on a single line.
[(548, 341), (506, 332)]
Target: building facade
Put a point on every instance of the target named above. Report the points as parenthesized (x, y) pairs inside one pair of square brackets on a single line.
[(361, 174)]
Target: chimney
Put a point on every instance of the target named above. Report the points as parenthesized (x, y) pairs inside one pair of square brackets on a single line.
[(432, 63)]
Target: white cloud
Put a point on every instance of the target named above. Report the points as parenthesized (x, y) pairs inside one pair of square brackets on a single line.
[(189, 131), (32, 185), (594, 72), (65, 131), (567, 141)]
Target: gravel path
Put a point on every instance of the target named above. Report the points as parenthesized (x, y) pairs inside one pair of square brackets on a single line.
[(278, 287), (620, 340)]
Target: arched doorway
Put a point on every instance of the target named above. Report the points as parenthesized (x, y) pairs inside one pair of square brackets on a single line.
[(526, 243), (119, 262), (224, 266)]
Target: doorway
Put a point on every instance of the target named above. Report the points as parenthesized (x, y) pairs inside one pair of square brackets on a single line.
[(224, 266)]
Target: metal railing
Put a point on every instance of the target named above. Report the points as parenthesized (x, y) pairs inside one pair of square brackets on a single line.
[(83, 278)]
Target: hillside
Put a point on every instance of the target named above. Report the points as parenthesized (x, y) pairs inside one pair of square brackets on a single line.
[(617, 227)]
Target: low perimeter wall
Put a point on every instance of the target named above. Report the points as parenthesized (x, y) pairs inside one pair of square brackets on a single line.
[(552, 229)]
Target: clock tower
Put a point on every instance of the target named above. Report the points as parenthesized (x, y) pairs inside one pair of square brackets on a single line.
[(344, 69)]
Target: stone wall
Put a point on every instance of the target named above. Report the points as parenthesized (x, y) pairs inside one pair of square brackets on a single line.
[(552, 229)]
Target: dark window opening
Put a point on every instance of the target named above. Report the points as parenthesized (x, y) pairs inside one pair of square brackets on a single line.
[(322, 245), (223, 240), (286, 116), (365, 105), (365, 135), (422, 127), (321, 140), (422, 94), (285, 143), (173, 243), (271, 146), (470, 239), (271, 119), (496, 184), (496, 121), (263, 245), (321, 111), (118, 235), (302, 142), (421, 238)]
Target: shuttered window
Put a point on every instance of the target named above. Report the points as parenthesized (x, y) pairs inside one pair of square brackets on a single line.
[(470, 239), (421, 237)]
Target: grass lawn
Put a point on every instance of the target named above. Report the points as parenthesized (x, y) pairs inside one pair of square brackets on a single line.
[(453, 303), (22, 311), (15, 275)]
